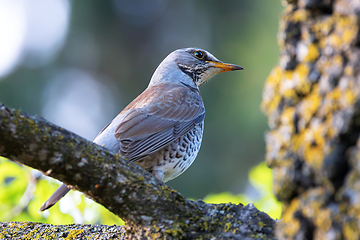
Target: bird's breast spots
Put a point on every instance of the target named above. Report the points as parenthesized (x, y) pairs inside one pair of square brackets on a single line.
[(183, 148)]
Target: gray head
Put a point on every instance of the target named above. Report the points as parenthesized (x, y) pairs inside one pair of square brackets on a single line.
[(190, 66)]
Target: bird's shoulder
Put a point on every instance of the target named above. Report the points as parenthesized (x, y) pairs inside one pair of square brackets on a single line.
[(165, 96)]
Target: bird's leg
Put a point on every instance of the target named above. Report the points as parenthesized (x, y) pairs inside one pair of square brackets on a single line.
[(158, 173)]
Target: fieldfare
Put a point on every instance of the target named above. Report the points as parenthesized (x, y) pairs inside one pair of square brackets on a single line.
[(161, 130)]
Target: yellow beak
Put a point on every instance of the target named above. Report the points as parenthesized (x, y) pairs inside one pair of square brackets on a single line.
[(225, 66)]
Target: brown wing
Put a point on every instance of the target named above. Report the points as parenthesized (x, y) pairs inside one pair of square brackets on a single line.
[(157, 117)]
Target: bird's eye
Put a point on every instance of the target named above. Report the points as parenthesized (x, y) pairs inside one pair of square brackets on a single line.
[(199, 54)]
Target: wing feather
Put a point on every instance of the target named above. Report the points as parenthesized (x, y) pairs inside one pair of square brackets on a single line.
[(160, 115)]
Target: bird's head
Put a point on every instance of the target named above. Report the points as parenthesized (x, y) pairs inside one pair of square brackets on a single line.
[(191, 66)]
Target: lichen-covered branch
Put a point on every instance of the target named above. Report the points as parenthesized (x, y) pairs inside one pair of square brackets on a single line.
[(29, 230), (312, 101), (148, 206)]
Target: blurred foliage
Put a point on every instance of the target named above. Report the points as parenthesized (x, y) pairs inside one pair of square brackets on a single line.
[(17, 204), (22, 194), (13, 183), (261, 179)]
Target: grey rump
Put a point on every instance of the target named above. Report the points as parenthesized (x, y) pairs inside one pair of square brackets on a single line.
[(161, 130)]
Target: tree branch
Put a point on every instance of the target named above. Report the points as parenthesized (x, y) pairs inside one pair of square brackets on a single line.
[(147, 205), (312, 99), (29, 230)]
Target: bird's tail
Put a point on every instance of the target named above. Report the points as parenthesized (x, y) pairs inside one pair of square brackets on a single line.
[(55, 197)]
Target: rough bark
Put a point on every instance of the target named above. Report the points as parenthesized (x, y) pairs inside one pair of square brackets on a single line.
[(312, 101), (148, 206), (29, 230)]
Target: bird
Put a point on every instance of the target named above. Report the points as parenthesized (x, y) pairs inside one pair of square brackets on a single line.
[(161, 130)]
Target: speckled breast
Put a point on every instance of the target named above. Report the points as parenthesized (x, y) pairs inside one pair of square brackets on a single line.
[(177, 156)]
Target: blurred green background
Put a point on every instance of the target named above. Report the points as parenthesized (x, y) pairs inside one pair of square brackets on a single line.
[(78, 64)]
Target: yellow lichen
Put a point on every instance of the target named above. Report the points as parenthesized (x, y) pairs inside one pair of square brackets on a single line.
[(287, 85), (261, 224), (314, 156), (330, 103), (310, 104), (350, 97), (331, 131), (275, 76), (318, 133), (271, 99), (349, 71), (287, 116), (227, 227), (299, 15), (323, 219), (335, 94), (302, 84), (313, 53), (351, 231), (74, 233), (302, 70), (335, 40), (323, 27), (297, 140), (348, 24), (292, 223), (289, 93), (273, 104), (311, 209), (337, 60), (288, 74)]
